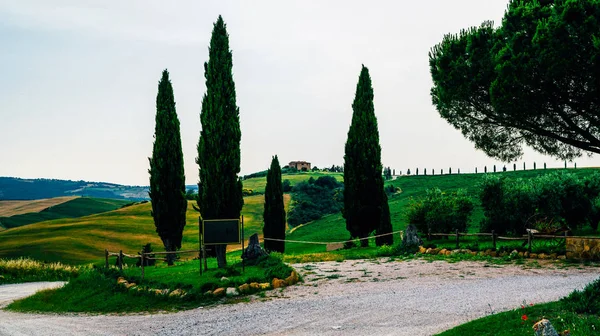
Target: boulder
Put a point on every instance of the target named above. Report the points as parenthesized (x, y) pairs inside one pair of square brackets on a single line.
[(254, 250), (232, 291), (544, 328), (411, 237), (219, 291)]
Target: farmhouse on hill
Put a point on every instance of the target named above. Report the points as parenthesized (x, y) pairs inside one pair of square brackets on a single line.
[(300, 165)]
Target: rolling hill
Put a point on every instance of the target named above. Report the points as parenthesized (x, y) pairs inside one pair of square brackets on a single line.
[(60, 208), (13, 208)]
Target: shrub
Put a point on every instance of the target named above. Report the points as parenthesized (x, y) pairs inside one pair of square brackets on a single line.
[(287, 186), (313, 199), (441, 212), (148, 259), (27, 270), (586, 301)]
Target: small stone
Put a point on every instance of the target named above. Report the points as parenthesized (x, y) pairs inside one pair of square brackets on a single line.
[(422, 250), (544, 328), (443, 252), (542, 256), (265, 285), (224, 279), (553, 256), (562, 257), (526, 254), (219, 291), (493, 254), (428, 251), (177, 292), (448, 253), (521, 254), (292, 279), (122, 280), (208, 292), (232, 291), (245, 288), (254, 285), (129, 285), (278, 283), (473, 253), (533, 255)]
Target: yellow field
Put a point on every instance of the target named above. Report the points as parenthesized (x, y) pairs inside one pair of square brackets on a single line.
[(13, 208)]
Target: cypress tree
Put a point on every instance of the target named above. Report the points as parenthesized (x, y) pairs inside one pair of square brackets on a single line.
[(274, 213), (219, 188), (365, 202), (167, 179)]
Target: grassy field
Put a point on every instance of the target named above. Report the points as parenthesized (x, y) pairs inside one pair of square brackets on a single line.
[(13, 208), (76, 207), (258, 184), (81, 240)]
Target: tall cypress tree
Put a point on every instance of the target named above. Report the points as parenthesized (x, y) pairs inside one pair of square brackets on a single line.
[(364, 198), (219, 188), (274, 213), (167, 179)]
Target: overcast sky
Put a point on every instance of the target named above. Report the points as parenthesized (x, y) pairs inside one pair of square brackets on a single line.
[(78, 82)]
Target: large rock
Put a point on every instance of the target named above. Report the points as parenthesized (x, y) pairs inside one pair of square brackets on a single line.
[(254, 250), (544, 328), (411, 238)]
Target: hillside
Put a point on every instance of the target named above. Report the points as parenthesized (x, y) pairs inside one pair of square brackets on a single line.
[(257, 184), (332, 228), (72, 208), (13, 208), (12, 188), (80, 240)]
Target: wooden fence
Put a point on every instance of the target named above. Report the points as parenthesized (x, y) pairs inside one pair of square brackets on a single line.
[(529, 237), (144, 256)]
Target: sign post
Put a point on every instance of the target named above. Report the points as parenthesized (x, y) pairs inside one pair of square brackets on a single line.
[(219, 231)]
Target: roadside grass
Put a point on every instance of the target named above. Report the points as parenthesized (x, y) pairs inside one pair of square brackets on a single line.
[(96, 290), (27, 270), (578, 313), (73, 208)]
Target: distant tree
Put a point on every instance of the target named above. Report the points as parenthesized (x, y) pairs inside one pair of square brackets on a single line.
[(442, 172), (167, 179), (287, 186), (408, 171), (534, 166), (544, 165), (504, 168), (524, 166), (485, 169), (494, 168), (575, 165), (364, 198), (417, 172), (565, 164), (394, 173), (433, 172), (459, 170), (450, 171), (475, 170), (387, 172), (532, 81), (315, 169), (191, 195), (425, 171), (514, 166), (274, 212), (219, 189)]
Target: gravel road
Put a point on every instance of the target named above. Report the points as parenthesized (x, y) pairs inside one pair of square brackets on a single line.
[(345, 298)]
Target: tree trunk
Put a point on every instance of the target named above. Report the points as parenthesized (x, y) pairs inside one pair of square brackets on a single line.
[(221, 260), (169, 248)]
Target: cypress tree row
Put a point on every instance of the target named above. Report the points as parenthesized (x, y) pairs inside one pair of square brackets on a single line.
[(219, 188), (274, 213), (167, 179), (364, 197)]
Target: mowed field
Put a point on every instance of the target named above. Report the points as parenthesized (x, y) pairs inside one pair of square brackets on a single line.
[(81, 240), (13, 208)]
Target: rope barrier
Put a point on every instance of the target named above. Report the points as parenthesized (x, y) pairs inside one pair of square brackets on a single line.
[(327, 243)]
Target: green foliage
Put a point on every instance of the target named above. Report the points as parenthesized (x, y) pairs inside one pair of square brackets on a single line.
[(546, 203), (531, 81), (274, 213), (441, 212), (315, 198), (220, 190), (167, 179), (586, 301), (363, 192), (287, 186)]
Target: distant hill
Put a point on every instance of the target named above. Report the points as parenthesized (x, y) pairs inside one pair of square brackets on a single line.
[(71, 208), (12, 188)]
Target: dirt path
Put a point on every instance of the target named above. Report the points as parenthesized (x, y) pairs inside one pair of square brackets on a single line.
[(341, 298), (9, 293)]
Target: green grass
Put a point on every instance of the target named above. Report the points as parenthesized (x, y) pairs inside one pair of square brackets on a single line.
[(96, 290), (27, 270), (577, 313), (78, 207)]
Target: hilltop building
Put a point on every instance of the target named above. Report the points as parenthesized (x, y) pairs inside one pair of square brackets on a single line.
[(300, 165)]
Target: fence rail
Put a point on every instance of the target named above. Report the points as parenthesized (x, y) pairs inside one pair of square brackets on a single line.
[(144, 256)]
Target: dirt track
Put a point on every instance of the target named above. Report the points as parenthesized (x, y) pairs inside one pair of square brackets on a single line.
[(347, 298)]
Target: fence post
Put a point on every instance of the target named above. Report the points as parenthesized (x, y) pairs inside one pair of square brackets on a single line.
[(105, 258), (494, 240), (529, 240), (120, 260), (143, 262), (457, 238)]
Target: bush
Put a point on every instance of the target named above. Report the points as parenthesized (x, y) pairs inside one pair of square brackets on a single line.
[(148, 259), (586, 301), (313, 199), (287, 186), (440, 212)]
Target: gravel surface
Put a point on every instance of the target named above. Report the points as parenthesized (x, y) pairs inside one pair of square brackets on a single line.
[(341, 298), (8, 293)]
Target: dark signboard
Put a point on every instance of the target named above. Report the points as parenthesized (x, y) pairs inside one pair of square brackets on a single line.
[(221, 231)]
